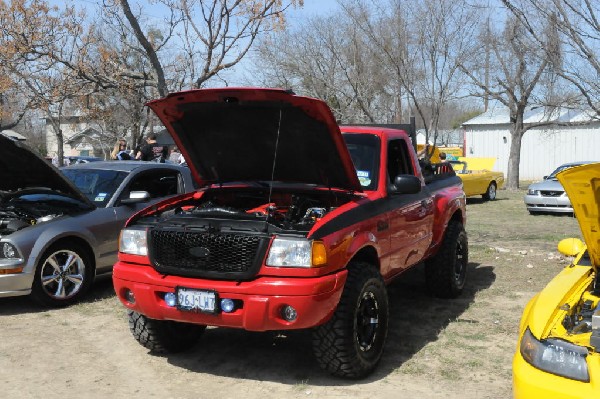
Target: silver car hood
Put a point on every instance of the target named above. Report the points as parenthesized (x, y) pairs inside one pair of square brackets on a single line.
[(547, 185), (23, 169)]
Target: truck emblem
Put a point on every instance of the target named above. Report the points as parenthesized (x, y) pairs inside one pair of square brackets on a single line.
[(200, 252)]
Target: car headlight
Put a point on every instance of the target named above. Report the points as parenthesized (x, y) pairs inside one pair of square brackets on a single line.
[(134, 241), (555, 356), (533, 192), (8, 251), (296, 252)]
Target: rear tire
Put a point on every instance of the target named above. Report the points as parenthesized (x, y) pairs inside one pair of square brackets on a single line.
[(446, 272), (351, 343), (490, 194), (163, 336)]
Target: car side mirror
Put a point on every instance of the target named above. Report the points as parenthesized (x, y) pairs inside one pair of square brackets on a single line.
[(406, 184), (570, 246), (136, 197), (545, 177)]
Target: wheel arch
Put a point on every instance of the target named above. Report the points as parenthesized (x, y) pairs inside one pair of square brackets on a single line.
[(70, 239), (367, 254)]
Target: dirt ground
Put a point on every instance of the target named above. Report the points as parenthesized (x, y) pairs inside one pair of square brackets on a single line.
[(436, 348)]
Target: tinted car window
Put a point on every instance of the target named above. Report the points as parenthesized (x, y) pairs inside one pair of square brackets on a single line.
[(364, 151), (159, 183), (98, 185)]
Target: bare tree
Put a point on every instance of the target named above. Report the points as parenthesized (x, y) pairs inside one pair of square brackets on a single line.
[(517, 68), (575, 43)]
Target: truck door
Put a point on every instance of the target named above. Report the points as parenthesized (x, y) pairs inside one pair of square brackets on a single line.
[(410, 215)]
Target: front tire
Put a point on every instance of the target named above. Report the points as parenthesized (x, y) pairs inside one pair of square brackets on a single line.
[(163, 336), (446, 272), (63, 275), (490, 193), (351, 343)]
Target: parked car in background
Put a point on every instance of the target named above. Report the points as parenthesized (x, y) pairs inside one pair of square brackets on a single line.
[(478, 182), (81, 159), (58, 231), (558, 356), (549, 195)]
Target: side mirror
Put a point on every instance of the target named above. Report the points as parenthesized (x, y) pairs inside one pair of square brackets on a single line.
[(545, 177), (136, 197), (406, 184), (570, 246)]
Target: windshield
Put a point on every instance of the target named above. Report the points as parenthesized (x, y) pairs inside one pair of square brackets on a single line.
[(560, 169), (97, 185), (364, 151)]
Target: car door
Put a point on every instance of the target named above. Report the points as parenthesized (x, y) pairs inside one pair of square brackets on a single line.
[(410, 215), (160, 183)]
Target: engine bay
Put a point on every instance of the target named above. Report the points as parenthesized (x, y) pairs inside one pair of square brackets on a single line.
[(287, 211), (584, 316)]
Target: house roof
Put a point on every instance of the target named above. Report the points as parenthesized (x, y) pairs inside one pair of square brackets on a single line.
[(13, 134), (499, 114)]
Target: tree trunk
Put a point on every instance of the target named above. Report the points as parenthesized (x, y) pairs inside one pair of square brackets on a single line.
[(514, 158)]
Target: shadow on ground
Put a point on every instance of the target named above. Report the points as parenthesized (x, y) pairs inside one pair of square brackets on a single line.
[(101, 289), (415, 320)]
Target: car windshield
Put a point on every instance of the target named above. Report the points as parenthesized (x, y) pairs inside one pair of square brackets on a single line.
[(559, 169), (96, 184), (364, 151)]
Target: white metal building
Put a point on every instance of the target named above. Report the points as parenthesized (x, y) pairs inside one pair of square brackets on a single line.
[(542, 149)]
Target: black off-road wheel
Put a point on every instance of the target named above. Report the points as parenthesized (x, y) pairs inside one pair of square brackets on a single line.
[(490, 193), (446, 272), (163, 336), (351, 343), (63, 275)]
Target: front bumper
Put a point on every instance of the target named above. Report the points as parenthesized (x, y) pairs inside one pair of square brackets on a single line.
[(314, 299), (539, 203), (530, 382), (15, 284)]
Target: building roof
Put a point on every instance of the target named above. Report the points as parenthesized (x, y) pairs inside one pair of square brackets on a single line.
[(13, 134), (499, 114)]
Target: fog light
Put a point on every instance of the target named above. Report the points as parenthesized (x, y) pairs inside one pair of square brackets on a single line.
[(170, 299), (227, 305), (289, 313), (129, 297)]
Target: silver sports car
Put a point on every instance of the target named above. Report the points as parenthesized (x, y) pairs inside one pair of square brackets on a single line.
[(549, 195), (58, 234)]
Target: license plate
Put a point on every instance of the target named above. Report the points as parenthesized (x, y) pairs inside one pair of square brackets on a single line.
[(196, 300)]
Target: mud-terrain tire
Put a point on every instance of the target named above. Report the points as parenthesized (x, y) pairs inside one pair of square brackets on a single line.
[(163, 336), (490, 193), (63, 275), (351, 343), (446, 272)]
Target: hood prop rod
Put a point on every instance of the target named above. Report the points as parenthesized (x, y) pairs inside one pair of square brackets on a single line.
[(269, 209)]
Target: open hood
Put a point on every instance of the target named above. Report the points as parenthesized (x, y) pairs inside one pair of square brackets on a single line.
[(244, 134), (582, 184), (22, 169)]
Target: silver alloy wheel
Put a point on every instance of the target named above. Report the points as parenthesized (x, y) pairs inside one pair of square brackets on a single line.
[(62, 274), (492, 191)]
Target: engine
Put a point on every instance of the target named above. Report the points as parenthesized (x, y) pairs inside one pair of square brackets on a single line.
[(585, 316), (13, 218)]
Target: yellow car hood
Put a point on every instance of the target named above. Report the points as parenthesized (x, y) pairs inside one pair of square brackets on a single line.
[(582, 184)]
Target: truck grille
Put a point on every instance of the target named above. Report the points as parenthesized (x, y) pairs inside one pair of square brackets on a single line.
[(207, 254)]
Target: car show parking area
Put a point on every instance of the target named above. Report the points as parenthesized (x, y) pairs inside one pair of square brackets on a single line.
[(459, 348)]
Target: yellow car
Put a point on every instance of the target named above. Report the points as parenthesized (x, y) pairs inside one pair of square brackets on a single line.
[(558, 355), (482, 182)]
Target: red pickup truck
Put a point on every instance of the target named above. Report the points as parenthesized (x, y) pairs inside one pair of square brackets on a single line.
[(298, 224)]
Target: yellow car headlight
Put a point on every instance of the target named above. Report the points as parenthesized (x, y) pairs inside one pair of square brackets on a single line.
[(555, 356)]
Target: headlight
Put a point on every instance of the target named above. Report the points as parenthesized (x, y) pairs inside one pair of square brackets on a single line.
[(294, 252), (8, 251), (556, 357), (133, 241), (533, 192)]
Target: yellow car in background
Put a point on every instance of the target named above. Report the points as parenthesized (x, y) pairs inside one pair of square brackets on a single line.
[(477, 178), (558, 354)]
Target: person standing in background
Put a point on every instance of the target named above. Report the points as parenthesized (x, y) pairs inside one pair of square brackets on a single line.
[(120, 151), (152, 151)]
